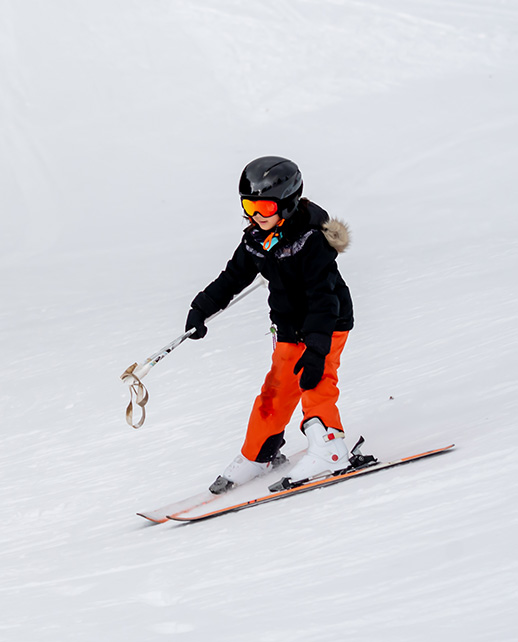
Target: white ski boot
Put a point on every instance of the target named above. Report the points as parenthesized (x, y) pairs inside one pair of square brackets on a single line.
[(239, 471), (326, 452)]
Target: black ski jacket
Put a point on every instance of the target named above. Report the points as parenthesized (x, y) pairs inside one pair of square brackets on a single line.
[(309, 299)]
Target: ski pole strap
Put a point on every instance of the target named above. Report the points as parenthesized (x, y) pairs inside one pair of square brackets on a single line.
[(138, 396)]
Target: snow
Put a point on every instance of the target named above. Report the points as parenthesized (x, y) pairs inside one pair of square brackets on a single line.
[(124, 128)]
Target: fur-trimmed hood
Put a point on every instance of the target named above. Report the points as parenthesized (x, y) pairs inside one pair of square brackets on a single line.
[(310, 214), (337, 234)]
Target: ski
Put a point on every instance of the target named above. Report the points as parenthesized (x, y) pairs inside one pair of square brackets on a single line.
[(161, 515), (329, 480)]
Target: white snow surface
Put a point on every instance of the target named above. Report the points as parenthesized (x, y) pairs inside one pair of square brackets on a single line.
[(124, 127)]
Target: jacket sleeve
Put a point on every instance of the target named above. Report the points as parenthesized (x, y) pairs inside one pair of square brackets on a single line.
[(239, 272), (320, 273)]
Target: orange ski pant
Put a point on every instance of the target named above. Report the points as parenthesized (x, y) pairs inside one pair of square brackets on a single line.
[(281, 393)]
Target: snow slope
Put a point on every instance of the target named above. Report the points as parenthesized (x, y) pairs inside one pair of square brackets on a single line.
[(124, 128)]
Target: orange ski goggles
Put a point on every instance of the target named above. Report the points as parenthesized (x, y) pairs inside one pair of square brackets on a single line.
[(264, 208)]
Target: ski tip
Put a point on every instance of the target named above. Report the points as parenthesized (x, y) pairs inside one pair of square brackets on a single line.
[(153, 520)]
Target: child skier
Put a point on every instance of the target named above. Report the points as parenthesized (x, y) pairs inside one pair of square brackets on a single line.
[(293, 244)]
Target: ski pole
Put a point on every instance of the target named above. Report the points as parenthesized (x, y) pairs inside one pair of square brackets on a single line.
[(134, 374)]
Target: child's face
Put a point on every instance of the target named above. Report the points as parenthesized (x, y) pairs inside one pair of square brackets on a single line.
[(267, 223)]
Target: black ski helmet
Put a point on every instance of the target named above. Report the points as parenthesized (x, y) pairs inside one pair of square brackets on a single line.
[(272, 178)]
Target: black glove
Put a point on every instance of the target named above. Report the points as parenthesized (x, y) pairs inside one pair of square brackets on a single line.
[(312, 365), (196, 319), (313, 361), (202, 308)]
